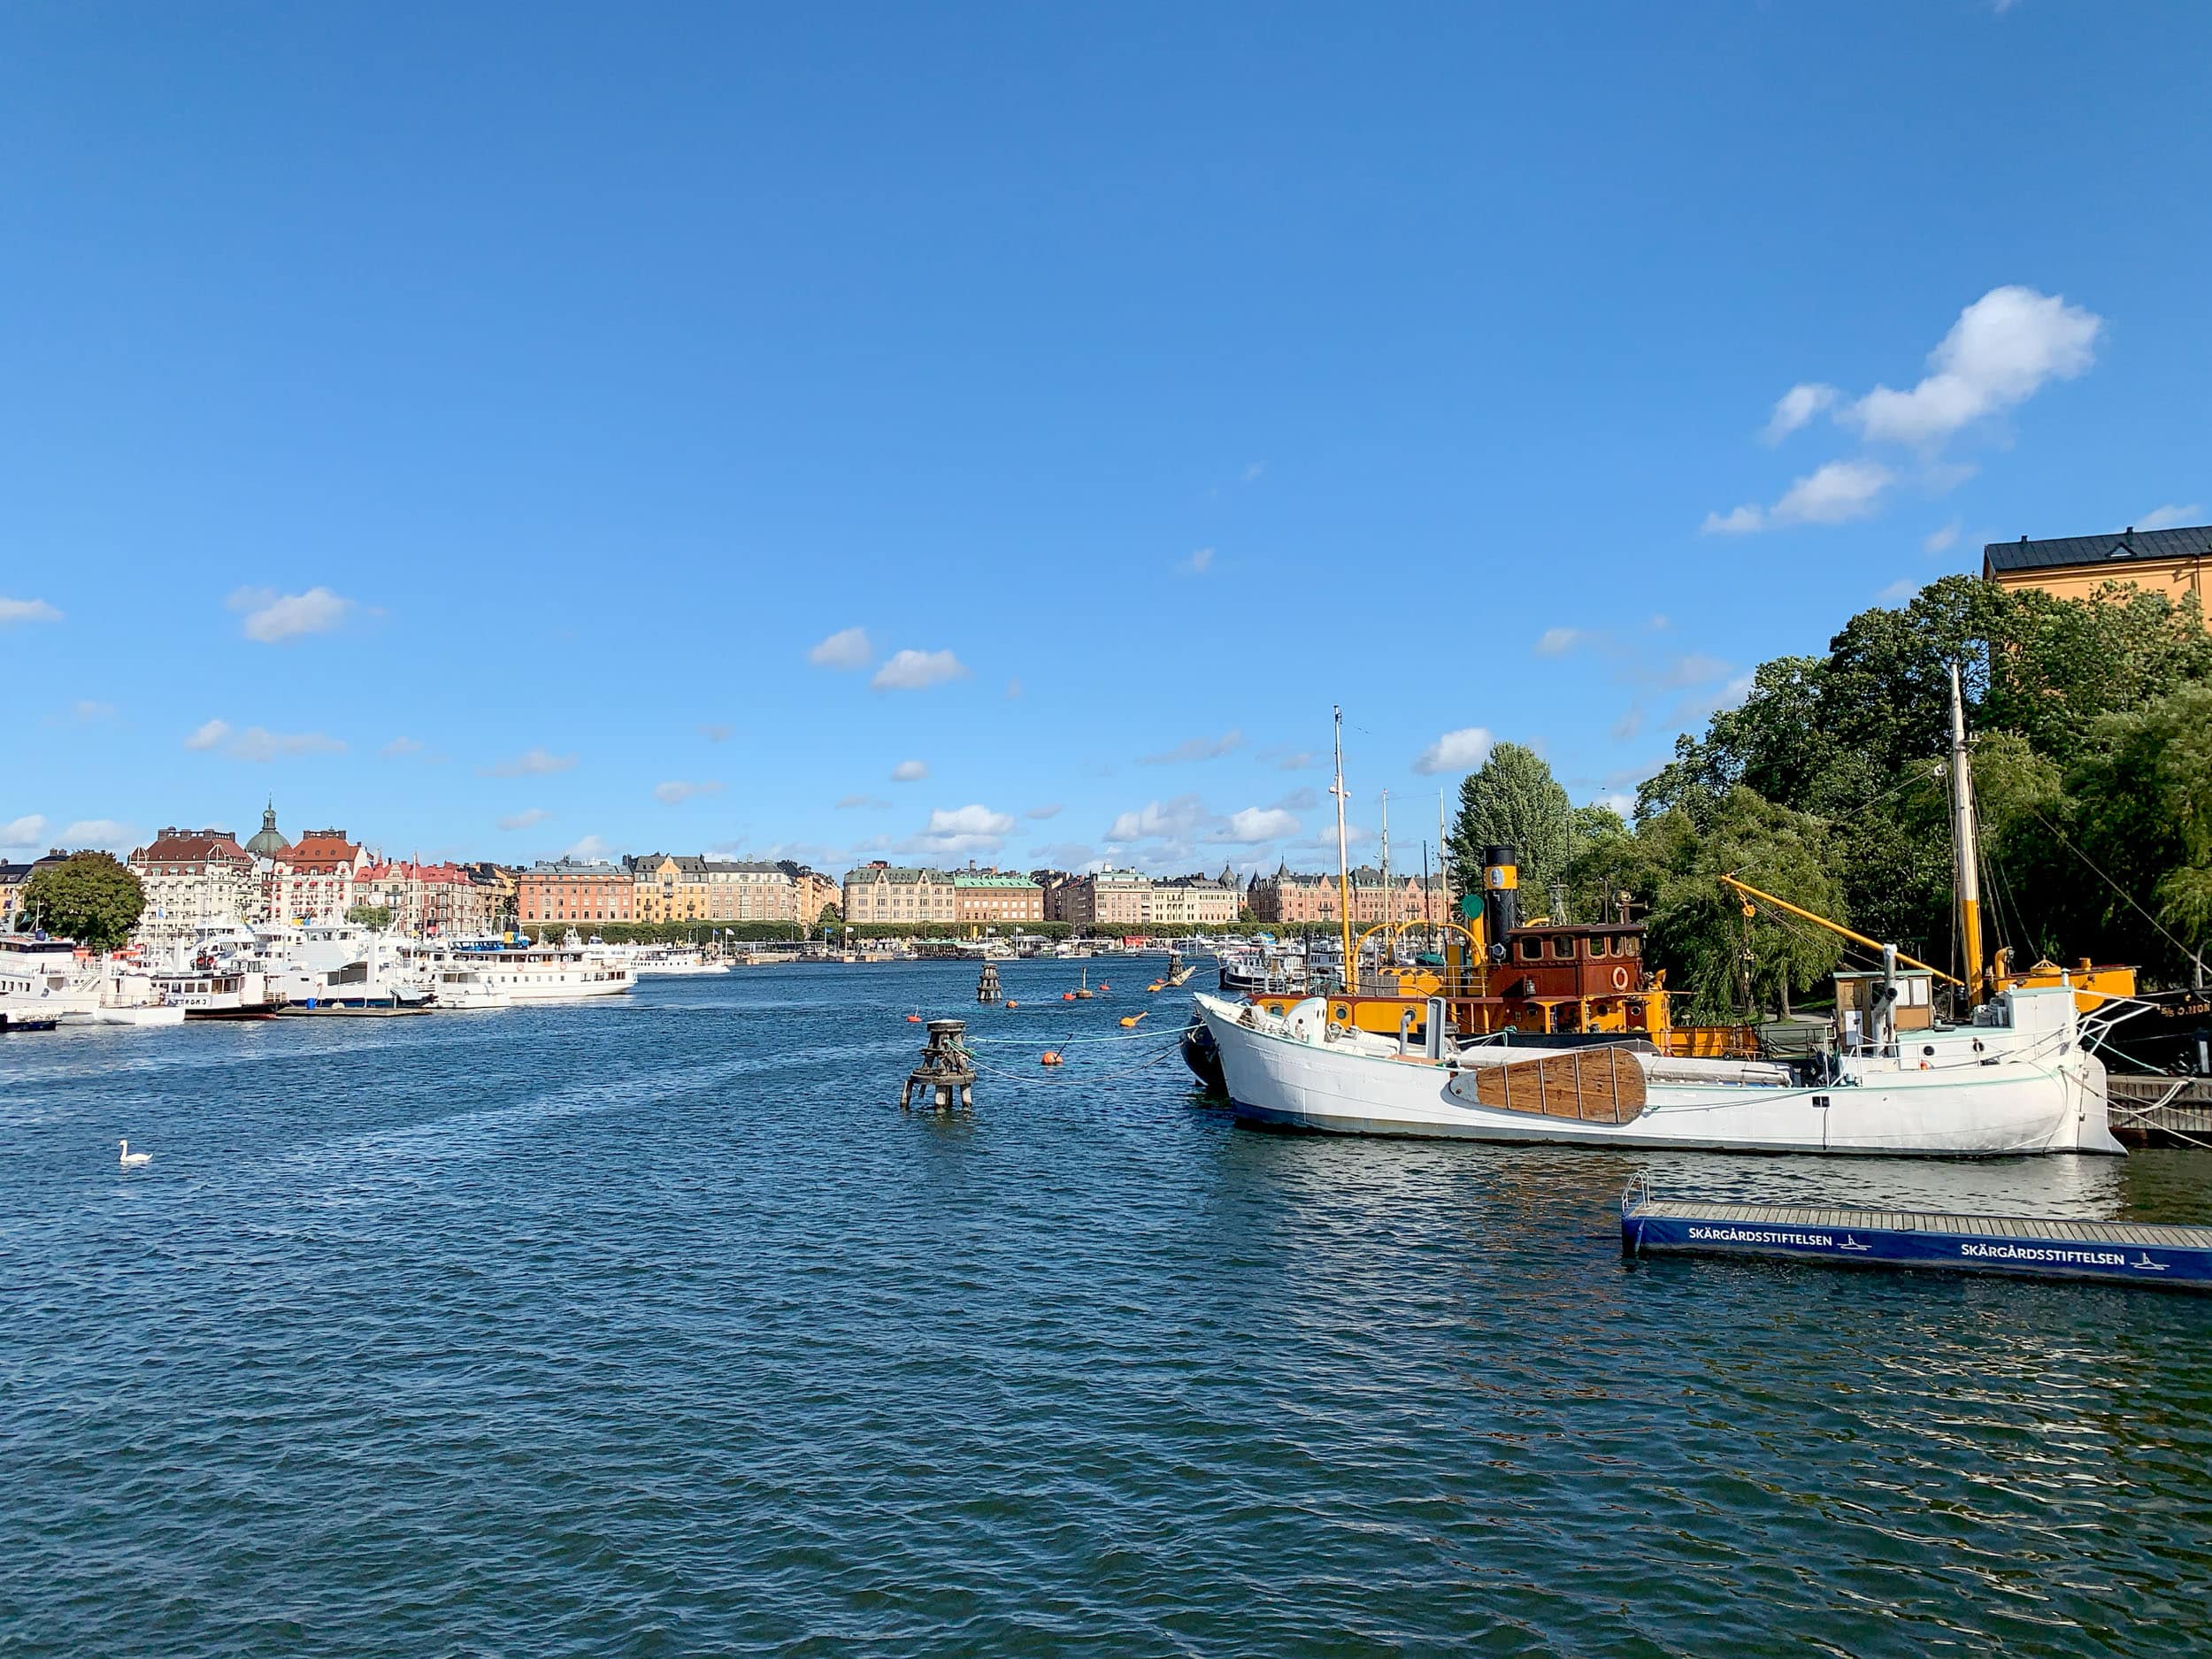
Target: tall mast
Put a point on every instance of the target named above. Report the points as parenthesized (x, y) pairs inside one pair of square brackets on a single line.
[(1964, 849), (1390, 911), (1343, 859)]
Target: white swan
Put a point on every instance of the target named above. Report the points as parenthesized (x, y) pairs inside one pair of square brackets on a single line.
[(135, 1159)]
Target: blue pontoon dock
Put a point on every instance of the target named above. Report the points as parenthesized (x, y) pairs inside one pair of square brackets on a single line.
[(2118, 1252)]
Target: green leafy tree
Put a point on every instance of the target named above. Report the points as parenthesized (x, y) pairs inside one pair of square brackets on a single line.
[(2142, 800), (376, 916), (1698, 922), (89, 897), (1513, 798), (831, 916)]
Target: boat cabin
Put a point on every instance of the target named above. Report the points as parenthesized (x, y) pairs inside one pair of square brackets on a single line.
[(1858, 990), (1571, 961)]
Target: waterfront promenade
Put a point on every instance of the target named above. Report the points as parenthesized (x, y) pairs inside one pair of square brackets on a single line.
[(650, 1324)]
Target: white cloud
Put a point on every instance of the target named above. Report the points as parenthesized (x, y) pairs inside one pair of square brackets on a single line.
[(917, 671), (1834, 493), (677, 791), (1255, 824), (106, 832), (1198, 563), (1013, 688), (400, 746), (87, 713), (532, 763), (1252, 470), (1696, 669), (1837, 491), (590, 847), (1797, 406), (270, 617), (1940, 540), (1660, 623), (846, 804), (28, 831), (1624, 804), (1295, 762), (1301, 800), (529, 818), (1698, 705), (1559, 642), (1628, 725), (208, 734), (716, 734), (962, 830), (2004, 349), (1195, 749), (847, 649), (2167, 516), (1171, 820), (1040, 812), (1737, 521), (258, 743), (1463, 750), (909, 772), (28, 610), (1899, 591)]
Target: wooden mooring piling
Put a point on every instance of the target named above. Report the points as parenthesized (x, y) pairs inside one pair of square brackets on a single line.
[(947, 1073)]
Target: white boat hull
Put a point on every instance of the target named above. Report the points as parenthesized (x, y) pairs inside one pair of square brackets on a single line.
[(2002, 1109)]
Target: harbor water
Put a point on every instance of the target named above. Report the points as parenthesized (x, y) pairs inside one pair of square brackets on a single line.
[(650, 1325)]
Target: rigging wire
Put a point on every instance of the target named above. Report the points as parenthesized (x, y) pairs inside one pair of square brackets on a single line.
[(2110, 882)]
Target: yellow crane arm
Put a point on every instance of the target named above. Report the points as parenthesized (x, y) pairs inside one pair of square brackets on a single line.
[(1749, 891)]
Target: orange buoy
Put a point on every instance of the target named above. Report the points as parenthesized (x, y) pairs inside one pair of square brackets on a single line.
[(913, 1019), (1051, 1058), (1128, 1020), (1010, 1003), (1067, 997)]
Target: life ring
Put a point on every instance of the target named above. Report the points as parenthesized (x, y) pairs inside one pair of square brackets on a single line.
[(1620, 978)]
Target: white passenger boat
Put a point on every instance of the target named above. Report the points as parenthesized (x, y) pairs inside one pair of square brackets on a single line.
[(212, 989), (45, 979), (339, 967), (2021, 1078), (42, 979), (468, 975), (667, 961)]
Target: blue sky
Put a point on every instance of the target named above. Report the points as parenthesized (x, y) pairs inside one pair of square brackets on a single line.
[(1003, 431)]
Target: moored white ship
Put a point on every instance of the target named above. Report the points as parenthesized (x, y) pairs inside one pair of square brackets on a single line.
[(469, 974), (2021, 1078)]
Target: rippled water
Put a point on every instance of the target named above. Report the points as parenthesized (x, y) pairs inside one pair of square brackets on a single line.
[(651, 1326)]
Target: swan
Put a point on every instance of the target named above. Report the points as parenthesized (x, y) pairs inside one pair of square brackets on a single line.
[(135, 1159)]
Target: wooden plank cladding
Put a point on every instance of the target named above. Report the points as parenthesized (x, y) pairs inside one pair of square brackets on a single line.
[(1599, 1084)]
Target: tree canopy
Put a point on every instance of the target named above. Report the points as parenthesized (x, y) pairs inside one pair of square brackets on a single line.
[(2092, 766), (88, 896), (1512, 798)]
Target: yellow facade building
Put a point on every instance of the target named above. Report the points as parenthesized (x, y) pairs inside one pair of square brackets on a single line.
[(2168, 562)]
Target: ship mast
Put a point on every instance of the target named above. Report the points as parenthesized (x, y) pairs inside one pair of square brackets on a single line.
[(1343, 859), (1964, 849), (1390, 911)]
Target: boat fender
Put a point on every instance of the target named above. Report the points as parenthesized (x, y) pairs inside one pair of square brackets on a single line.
[(1620, 978)]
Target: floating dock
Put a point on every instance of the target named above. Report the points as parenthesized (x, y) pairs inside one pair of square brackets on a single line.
[(2114, 1252)]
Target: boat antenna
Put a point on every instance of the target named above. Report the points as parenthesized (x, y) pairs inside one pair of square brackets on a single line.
[(1343, 858), (1964, 853)]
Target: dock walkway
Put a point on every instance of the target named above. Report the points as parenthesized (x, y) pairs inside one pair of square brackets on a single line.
[(2141, 1253)]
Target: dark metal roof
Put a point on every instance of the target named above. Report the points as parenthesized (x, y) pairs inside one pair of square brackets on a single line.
[(2119, 547)]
